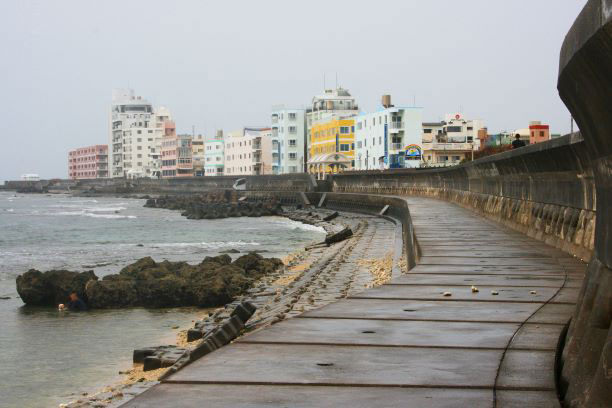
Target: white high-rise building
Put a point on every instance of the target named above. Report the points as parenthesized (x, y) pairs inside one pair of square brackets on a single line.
[(332, 104), (289, 133), (135, 135), (389, 137)]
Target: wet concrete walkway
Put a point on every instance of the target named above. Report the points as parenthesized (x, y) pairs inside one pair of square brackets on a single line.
[(406, 344)]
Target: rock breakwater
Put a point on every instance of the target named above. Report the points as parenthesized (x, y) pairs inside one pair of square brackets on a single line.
[(216, 205)]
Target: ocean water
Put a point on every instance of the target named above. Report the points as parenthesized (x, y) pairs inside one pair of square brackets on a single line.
[(47, 357)]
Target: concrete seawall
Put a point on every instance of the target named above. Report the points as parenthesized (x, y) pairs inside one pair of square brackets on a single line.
[(545, 190), (287, 182)]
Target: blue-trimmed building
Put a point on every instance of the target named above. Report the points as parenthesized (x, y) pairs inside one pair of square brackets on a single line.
[(389, 138)]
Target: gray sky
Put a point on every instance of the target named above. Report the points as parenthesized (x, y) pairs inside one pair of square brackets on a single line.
[(223, 64)]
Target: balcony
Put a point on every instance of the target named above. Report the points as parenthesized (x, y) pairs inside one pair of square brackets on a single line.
[(256, 159), (257, 143), (396, 126), (396, 146), (448, 146)]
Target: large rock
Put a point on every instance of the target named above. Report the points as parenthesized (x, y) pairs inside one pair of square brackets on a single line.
[(216, 204), (213, 282), (52, 287)]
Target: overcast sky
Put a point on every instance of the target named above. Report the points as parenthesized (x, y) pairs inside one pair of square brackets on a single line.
[(223, 64)]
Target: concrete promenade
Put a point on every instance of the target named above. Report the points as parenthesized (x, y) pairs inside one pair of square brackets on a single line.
[(406, 344)]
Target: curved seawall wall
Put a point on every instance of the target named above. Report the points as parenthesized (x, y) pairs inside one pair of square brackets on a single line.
[(545, 190)]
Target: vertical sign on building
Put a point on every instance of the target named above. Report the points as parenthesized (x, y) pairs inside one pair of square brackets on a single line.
[(386, 145)]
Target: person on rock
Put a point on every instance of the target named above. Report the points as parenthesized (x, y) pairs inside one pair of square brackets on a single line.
[(517, 142), (75, 303)]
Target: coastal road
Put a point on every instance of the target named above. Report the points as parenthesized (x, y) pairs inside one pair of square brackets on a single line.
[(424, 339)]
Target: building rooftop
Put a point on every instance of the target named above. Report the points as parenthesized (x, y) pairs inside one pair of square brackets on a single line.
[(331, 94)]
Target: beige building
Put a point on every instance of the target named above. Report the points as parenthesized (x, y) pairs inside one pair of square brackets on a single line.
[(197, 152), (452, 140), (248, 152)]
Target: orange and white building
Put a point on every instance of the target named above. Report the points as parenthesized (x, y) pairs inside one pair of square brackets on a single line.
[(538, 132)]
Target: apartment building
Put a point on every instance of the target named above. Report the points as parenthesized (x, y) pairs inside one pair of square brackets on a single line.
[(214, 155), (153, 146), (248, 152), (89, 162), (388, 138), (135, 135), (450, 141), (176, 153), (289, 140), (332, 146), (332, 104)]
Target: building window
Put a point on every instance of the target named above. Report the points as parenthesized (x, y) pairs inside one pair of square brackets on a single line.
[(344, 130), (292, 143), (541, 133), (292, 129), (345, 147), (292, 116), (427, 130), (292, 156)]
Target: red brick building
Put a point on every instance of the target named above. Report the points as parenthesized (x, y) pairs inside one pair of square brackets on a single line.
[(88, 162)]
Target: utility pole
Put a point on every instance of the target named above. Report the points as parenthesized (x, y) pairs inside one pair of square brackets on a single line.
[(472, 149)]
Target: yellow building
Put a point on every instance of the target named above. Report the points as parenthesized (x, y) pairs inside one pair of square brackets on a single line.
[(332, 147)]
